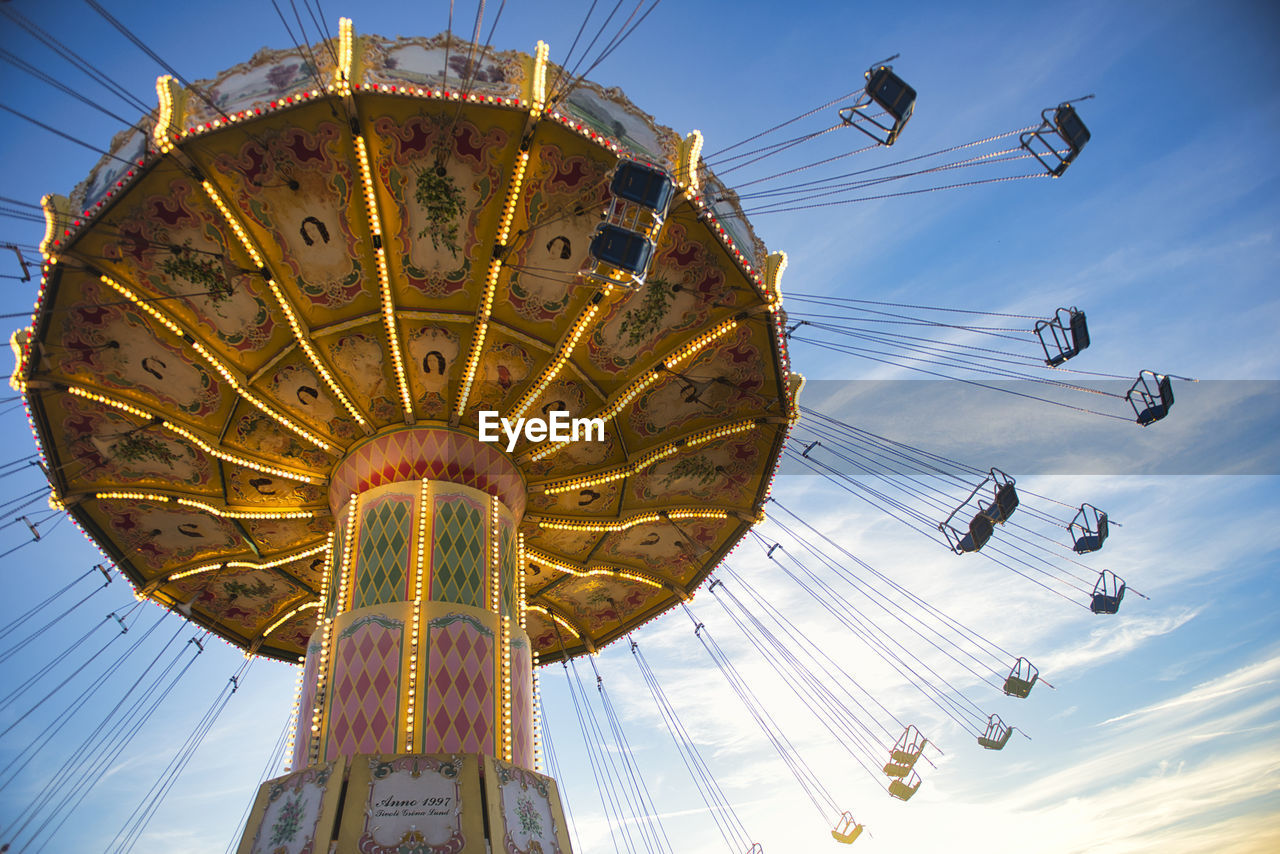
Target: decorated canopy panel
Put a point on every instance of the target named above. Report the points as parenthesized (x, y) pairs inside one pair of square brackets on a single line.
[(313, 256)]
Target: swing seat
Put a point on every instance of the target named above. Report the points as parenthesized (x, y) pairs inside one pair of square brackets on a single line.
[(621, 249), (888, 92), (1108, 593), (1016, 687), (980, 530), (896, 769), (1068, 338), (1104, 604), (1090, 529), (1071, 128), (642, 184), (1087, 543), (1021, 679), (996, 743), (903, 791), (1006, 501), (1063, 128), (845, 831), (1156, 404), (893, 95)]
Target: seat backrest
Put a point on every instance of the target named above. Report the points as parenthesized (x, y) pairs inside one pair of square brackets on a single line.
[(891, 93), (1006, 500), (1071, 127), (980, 530), (1079, 332), (645, 185), (621, 248)]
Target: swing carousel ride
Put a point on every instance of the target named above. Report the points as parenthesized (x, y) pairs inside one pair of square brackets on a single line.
[(423, 366)]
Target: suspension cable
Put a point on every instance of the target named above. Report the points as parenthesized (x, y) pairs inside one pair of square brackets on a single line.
[(730, 826)]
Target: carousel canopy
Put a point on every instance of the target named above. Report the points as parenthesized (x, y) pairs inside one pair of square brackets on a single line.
[(298, 261)]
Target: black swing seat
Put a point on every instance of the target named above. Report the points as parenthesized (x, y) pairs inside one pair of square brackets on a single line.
[(1063, 339), (1105, 604), (621, 249), (1090, 529), (1086, 544), (980, 530), (1006, 501), (1063, 128), (1151, 404), (1108, 593), (890, 93), (645, 185), (893, 95)]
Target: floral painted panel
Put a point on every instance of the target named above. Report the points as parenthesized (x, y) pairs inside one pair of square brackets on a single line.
[(295, 803)]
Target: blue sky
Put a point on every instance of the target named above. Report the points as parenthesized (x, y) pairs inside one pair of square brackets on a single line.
[(1161, 733)]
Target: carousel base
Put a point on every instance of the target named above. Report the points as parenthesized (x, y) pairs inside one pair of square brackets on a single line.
[(408, 803)]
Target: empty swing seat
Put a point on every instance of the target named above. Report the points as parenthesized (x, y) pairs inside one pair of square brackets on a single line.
[(1071, 128), (997, 735), (1067, 339), (996, 743), (1157, 407), (1089, 529), (1079, 332), (904, 789), (1108, 593), (905, 752), (897, 769), (621, 249), (980, 530), (1015, 686), (1064, 128), (845, 831), (1021, 679), (888, 92), (642, 184), (1006, 501), (1104, 603), (894, 96)]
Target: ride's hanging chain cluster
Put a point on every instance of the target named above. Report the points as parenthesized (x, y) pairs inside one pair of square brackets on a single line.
[(730, 825), (921, 490)]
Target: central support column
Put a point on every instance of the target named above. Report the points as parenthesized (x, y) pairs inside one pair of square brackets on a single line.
[(415, 732), (420, 648)]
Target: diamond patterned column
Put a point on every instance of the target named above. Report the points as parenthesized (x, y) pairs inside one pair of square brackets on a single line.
[(416, 642)]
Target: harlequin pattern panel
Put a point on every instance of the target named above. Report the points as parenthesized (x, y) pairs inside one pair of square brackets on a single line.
[(364, 690), (521, 700), (458, 564), (435, 454), (385, 529), (460, 686)]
